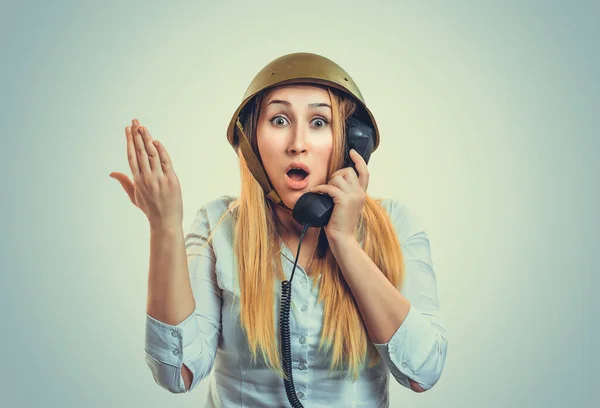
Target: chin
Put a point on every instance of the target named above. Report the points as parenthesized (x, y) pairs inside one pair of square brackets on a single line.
[(291, 197)]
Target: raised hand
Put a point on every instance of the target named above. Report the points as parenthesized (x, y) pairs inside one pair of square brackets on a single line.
[(155, 188)]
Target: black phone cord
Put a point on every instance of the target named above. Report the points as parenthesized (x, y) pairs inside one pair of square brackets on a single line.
[(284, 331)]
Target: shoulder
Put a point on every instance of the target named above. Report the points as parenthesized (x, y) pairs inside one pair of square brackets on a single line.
[(211, 212), (218, 206), (406, 219)]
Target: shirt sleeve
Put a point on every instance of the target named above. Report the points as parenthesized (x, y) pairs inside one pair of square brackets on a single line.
[(194, 341), (417, 350)]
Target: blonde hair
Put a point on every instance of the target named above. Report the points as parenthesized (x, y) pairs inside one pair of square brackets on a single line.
[(257, 245)]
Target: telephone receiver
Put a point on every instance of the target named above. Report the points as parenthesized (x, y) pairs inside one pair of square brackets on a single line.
[(314, 209)]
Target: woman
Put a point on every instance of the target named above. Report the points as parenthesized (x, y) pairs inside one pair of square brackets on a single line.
[(364, 297)]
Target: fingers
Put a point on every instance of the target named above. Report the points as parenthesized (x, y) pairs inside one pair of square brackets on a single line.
[(329, 189), (126, 184), (135, 124), (142, 156), (145, 155), (361, 168), (348, 178), (153, 156), (131, 154), (165, 159), (340, 182), (346, 172)]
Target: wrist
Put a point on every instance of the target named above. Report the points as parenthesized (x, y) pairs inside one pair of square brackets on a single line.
[(165, 228), (342, 241)]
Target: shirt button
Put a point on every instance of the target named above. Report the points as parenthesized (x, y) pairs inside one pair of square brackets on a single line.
[(304, 280), (303, 308), (404, 364), (174, 333), (176, 352), (300, 395), (393, 348), (302, 340), (302, 366)]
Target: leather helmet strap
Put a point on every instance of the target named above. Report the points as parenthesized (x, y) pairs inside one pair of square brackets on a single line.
[(255, 167)]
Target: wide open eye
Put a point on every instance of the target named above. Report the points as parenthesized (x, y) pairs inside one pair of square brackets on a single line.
[(320, 122), (279, 120)]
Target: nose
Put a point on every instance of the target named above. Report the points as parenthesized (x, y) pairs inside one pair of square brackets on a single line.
[(298, 143)]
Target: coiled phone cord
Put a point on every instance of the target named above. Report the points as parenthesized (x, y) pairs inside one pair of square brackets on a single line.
[(284, 331)]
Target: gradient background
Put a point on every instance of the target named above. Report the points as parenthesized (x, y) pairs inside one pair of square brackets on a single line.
[(489, 121)]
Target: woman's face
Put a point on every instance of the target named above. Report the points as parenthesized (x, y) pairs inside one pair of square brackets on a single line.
[(294, 130)]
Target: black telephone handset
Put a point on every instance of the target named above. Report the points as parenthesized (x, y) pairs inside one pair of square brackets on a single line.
[(315, 209)]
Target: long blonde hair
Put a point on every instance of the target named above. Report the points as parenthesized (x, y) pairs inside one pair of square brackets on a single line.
[(257, 245)]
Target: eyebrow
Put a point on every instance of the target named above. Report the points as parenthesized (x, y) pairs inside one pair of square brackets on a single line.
[(311, 105)]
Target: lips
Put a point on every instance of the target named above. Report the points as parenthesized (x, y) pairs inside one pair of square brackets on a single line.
[(298, 165), (297, 184), (297, 175)]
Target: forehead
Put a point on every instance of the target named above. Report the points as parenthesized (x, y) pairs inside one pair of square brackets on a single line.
[(298, 93)]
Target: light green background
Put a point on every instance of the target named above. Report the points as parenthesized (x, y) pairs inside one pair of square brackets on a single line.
[(489, 120)]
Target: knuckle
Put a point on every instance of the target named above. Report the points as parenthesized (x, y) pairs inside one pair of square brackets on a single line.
[(155, 189), (168, 182), (148, 182)]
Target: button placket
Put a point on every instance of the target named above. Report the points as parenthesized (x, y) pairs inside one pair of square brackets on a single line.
[(177, 350)]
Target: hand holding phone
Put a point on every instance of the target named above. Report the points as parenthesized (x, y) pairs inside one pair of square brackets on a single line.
[(315, 209)]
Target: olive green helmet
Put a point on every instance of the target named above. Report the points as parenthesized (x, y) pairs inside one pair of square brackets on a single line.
[(293, 68)]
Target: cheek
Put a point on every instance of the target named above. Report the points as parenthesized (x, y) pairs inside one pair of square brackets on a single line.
[(260, 139), (269, 147), (324, 150), (263, 141)]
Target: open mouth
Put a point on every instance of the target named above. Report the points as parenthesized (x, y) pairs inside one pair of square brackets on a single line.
[(297, 174)]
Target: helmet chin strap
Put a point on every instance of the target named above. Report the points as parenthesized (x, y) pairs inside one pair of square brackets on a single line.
[(256, 168), (279, 202)]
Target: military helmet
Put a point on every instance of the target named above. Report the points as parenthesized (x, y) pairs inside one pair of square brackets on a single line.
[(296, 68)]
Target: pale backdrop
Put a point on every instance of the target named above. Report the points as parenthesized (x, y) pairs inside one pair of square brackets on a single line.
[(489, 121)]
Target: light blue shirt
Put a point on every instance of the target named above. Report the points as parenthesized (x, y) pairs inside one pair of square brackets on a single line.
[(212, 344)]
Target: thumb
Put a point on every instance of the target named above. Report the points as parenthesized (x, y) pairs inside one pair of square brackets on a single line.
[(126, 184)]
